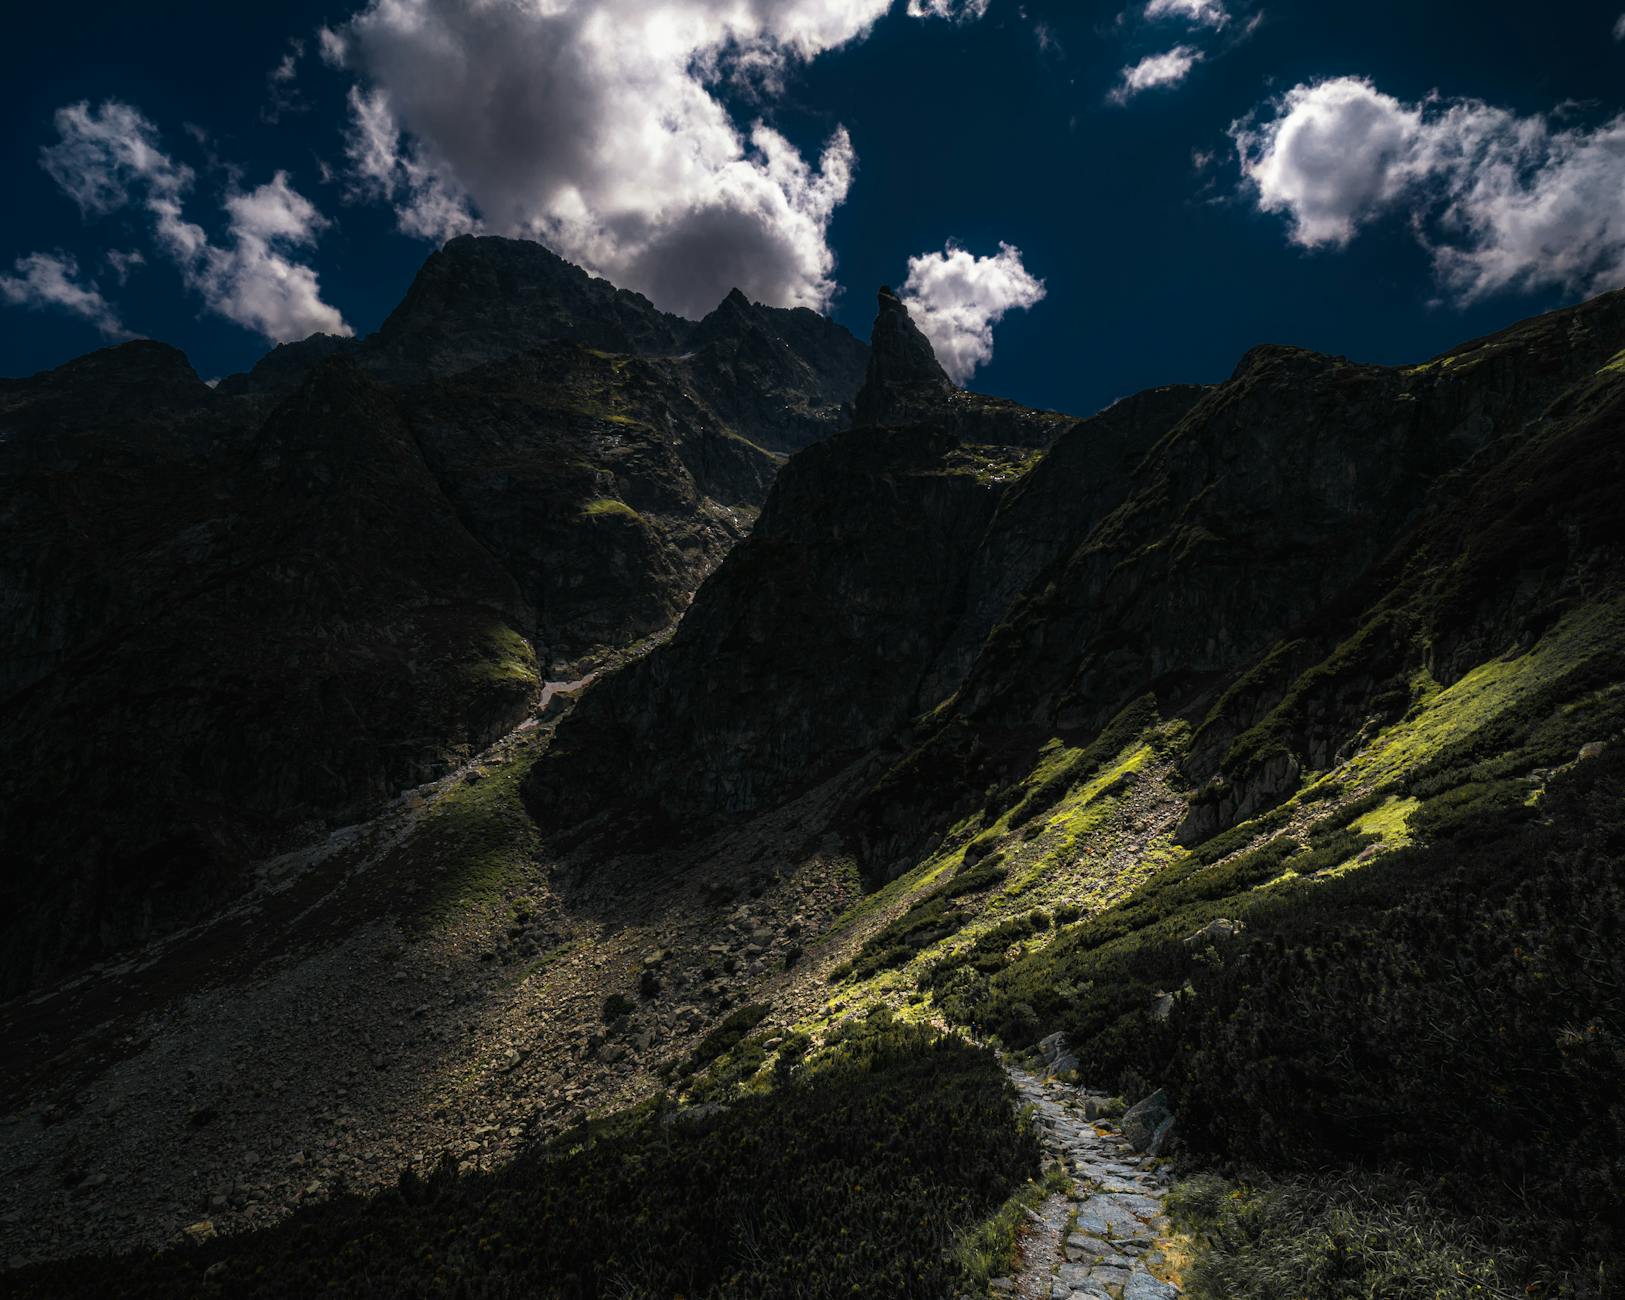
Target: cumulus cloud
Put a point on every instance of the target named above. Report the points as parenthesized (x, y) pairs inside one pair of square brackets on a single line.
[(956, 299), (1203, 13), (1166, 69), (52, 281), (110, 158), (954, 10), (595, 127), (251, 280), (1501, 201)]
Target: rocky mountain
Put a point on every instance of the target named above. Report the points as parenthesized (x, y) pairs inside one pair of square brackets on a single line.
[(1246, 760), (1241, 554), (780, 377), (283, 600)]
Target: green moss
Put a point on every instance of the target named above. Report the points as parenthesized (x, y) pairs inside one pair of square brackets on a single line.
[(1455, 716), (506, 659), (724, 1038), (610, 508), (1388, 822), (474, 842)]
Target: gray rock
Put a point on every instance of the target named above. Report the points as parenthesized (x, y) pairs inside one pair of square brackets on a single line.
[(1159, 1139), (1140, 1121), (1142, 1286), (1220, 930)]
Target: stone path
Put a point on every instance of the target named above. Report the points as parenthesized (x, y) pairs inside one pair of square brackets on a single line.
[(1099, 1241)]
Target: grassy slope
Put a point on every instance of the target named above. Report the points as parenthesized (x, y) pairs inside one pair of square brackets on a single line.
[(1376, 907)]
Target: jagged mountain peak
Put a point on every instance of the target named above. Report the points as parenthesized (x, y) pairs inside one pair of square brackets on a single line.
[(783, 378), (904, 378)]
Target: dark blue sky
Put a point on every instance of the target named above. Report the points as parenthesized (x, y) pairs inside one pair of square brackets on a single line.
[(1156, 270)]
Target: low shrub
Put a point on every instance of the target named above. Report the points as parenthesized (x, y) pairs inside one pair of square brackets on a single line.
[(855, 1176)]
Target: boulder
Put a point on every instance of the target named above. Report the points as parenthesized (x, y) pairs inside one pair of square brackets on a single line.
[(1141, 1121), (1220, 930)]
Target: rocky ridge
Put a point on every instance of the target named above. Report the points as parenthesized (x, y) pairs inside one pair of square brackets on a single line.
[(781, 377), (1207, 547)]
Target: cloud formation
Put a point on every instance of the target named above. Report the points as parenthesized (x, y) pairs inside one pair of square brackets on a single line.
[(1166, 69), (956, 299), (50, 280), (1202, 13), (124, 261), (1500, 201), (958, 11), (1619, 28), (596, 128), (109, 158)]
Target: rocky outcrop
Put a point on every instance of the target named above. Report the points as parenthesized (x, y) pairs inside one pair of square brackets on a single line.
[(904, 383), (784, 377)]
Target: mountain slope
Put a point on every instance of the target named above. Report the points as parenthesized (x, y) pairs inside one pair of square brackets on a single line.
[(283, 601), (815, 638), (1190, 543), (1285, 785)]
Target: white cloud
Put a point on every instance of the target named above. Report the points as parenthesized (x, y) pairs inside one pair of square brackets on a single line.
[(252, 281), (1202, 13), (1334, 153), (52, 281), (956, 299), (1166, 69), (109, 158), (331, 47), (959, 11), (592, 126), (1499, 200), (124, 262), (1619, 28), (100, 154), (380, 165)]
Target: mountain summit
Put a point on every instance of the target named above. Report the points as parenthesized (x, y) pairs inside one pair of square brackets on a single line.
[(904, 379), (781, 377)]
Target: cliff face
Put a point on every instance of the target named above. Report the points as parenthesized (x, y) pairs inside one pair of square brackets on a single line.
[(1278, 547), (236, 615)]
